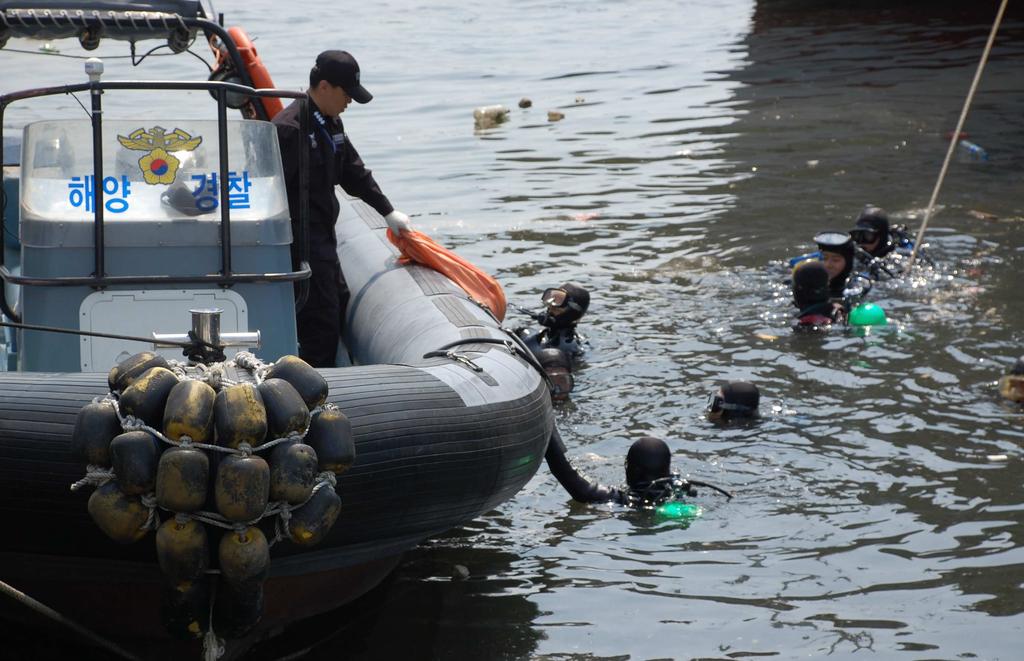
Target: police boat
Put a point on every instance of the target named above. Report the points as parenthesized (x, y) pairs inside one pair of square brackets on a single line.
[(128, 240)]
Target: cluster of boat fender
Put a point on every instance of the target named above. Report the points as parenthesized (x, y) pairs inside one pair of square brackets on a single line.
[(174, 453)]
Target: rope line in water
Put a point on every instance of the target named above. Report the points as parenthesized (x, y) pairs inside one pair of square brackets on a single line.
[(956, 134), (48, 612)]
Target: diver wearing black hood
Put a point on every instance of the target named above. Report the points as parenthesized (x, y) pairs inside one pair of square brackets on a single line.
[(558, 369), (649, 477), (811, 296), (735, 399), (564, 307), (881, 246), (837, 251), (872, 232)]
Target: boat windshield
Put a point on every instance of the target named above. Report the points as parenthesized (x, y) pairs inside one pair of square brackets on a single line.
[(153, 170)]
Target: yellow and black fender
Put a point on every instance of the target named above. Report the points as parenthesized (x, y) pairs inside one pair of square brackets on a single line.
[(121, 516), (242, 488), (309, 383), (128, 370), (240, 416), (95, 426), (146, 396)]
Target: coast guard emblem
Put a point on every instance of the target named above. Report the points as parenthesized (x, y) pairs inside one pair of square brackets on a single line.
[(159, 166)]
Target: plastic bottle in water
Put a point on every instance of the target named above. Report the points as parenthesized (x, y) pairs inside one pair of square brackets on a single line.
[(975, 152)]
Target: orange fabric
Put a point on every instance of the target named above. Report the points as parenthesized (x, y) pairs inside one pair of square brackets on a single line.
[(257, 71), (419, 248)]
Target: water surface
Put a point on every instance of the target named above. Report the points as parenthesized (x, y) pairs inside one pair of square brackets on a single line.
[(703, 142)]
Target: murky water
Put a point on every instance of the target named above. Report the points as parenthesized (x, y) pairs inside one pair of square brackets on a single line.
[(703, 142)]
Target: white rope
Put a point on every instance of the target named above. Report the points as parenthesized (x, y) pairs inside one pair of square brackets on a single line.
[(956, 134), (152, 521), (94, 476), (213, 645), (326, 406)]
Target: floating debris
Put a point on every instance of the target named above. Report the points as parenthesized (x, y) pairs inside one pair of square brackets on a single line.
[(580, 99), (973, 151), (997, 457), (487, 117), (554, 116), (525, 103), (982, 215), (460, 572)]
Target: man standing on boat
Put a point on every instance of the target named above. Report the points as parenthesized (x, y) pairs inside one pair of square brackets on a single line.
[(333, 161)]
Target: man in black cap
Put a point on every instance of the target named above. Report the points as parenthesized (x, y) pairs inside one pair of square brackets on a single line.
[(333, 161)]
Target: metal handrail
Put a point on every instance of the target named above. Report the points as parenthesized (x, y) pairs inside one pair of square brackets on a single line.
[(226, 278)]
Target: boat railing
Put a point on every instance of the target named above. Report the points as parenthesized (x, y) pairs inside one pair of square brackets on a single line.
[(226, 276)]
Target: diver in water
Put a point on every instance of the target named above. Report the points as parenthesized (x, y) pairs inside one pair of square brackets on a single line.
[(557, 345), (1011, 385), (564, 307), (558, 369), (872, 233), (650, 480), (734, 400), (812, 299), (881, 246), (837, 251), (837, 254)]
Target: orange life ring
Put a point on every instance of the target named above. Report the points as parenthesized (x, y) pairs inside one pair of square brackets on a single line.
[(257, 71)]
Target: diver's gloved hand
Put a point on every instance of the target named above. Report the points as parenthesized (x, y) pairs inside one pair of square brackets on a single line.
[(398, 222), (603, 494)]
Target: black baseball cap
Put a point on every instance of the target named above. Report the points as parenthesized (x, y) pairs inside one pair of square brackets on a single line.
[(339, 68)]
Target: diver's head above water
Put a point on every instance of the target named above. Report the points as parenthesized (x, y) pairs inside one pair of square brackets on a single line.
[(837, 250), (871, 233), (735, 399), (647, 461), (810, 285), (565, 305), (1011, 386), (558, 369)]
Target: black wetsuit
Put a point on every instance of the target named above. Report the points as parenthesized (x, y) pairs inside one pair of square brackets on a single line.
[(820, 314), (566, 340), (333, 160)]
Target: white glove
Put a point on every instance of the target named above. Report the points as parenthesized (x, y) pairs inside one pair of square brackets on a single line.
[(398, 222)]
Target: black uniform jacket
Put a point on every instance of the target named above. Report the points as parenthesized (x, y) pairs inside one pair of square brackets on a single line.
[(333, 160)]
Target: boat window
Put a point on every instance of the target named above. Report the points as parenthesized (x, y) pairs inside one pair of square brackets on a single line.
[(12, 149), (153, 170)]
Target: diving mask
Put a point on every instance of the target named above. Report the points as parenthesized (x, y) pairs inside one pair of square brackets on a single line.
[(717, 406), (863, 235), (558, 298)]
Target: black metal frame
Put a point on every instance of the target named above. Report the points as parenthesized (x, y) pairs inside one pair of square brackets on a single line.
[(226, 277), (136, 19)]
